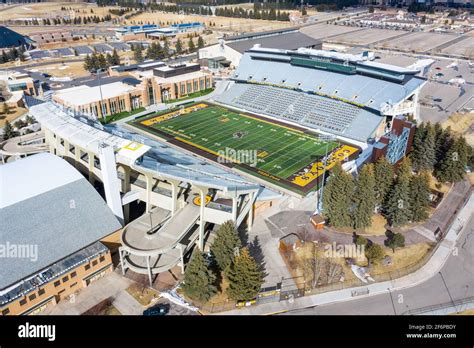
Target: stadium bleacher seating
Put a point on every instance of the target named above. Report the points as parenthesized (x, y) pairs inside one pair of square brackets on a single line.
[(310, 110)]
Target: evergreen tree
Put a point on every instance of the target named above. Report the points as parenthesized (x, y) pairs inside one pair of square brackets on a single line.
[(191, 46), (101, 62), (8, 131), (166, 48), (419, 196), (200, 43), (199, 280), (383, 173), (245, 277), (424, 155), (397, 208), (374, 253), (138, 53), (417, 153), (337, 198), (179, 47), (361, 241), (115, 58), (453, 166), (395, 240), (225, 244), (364, 198)]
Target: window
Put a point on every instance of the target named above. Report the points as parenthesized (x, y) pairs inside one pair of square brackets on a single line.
[(181, 89), (73, 284), (57, 283), (41, 292), (23, 302), (5, 311), (189, 87), (195, 86), (201, 84), (101, 259), (32, 297), (73, 274), (87, 267), (94, 262), (208, 83), (65, 279)]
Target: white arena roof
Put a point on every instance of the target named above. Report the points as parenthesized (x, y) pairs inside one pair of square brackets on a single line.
[(81, 95)]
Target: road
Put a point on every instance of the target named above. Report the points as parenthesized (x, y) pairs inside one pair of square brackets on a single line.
[(457, 274)]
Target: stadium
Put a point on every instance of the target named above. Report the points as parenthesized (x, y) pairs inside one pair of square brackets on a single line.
[(289, 116), (273, 130)]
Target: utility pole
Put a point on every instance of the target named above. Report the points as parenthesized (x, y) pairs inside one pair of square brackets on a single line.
[(327, 139)]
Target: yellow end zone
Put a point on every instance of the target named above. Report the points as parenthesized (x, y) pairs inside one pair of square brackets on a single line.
[(173, 114), (317, 168)]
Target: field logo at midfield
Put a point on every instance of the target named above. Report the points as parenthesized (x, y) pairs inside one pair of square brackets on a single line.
[(230, 155)]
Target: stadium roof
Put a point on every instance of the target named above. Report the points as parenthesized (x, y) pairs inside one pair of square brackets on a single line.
[(287, 41), (260, 34), (48, 204), (371, 85), (10, 38)]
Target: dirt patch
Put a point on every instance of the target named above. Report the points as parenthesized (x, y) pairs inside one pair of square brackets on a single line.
[(12, 115), (461, 124), (144, 295)]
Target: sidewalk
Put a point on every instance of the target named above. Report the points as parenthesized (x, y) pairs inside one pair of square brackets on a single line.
[(426, 272), (111, 285)]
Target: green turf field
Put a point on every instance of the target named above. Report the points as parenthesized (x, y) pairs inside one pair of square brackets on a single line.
[(280, 151)]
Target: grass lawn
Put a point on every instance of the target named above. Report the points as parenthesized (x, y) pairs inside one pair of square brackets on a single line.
[(274, 152), (111, 310), (120, 115), (144, 296), (191, 96), (466, 312)]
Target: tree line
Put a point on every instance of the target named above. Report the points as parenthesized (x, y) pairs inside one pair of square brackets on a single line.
[(96, 61), (227, 260), (157, 50), (67, 21), (257, 13), (401, 196)]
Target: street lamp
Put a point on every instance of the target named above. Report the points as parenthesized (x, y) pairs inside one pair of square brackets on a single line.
[(98, 71)]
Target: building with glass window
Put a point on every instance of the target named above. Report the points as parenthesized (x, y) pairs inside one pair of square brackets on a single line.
[(135, 87)]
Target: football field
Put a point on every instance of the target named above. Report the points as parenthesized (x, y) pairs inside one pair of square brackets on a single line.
[(275, 152)]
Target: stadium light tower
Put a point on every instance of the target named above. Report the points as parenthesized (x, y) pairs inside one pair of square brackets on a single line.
[(98, 71), (327, 138)]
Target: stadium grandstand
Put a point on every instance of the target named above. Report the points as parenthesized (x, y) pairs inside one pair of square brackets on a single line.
[(341, 94)]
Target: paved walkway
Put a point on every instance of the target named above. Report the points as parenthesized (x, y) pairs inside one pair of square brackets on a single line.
[(429, 270), (112, 285)]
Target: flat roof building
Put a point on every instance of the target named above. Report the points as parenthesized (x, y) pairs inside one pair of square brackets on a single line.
[(232, 48)]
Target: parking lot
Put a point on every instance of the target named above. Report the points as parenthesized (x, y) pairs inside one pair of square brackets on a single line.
[(367, 36)]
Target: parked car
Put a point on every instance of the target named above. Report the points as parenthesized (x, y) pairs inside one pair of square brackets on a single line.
[(157, 310)]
